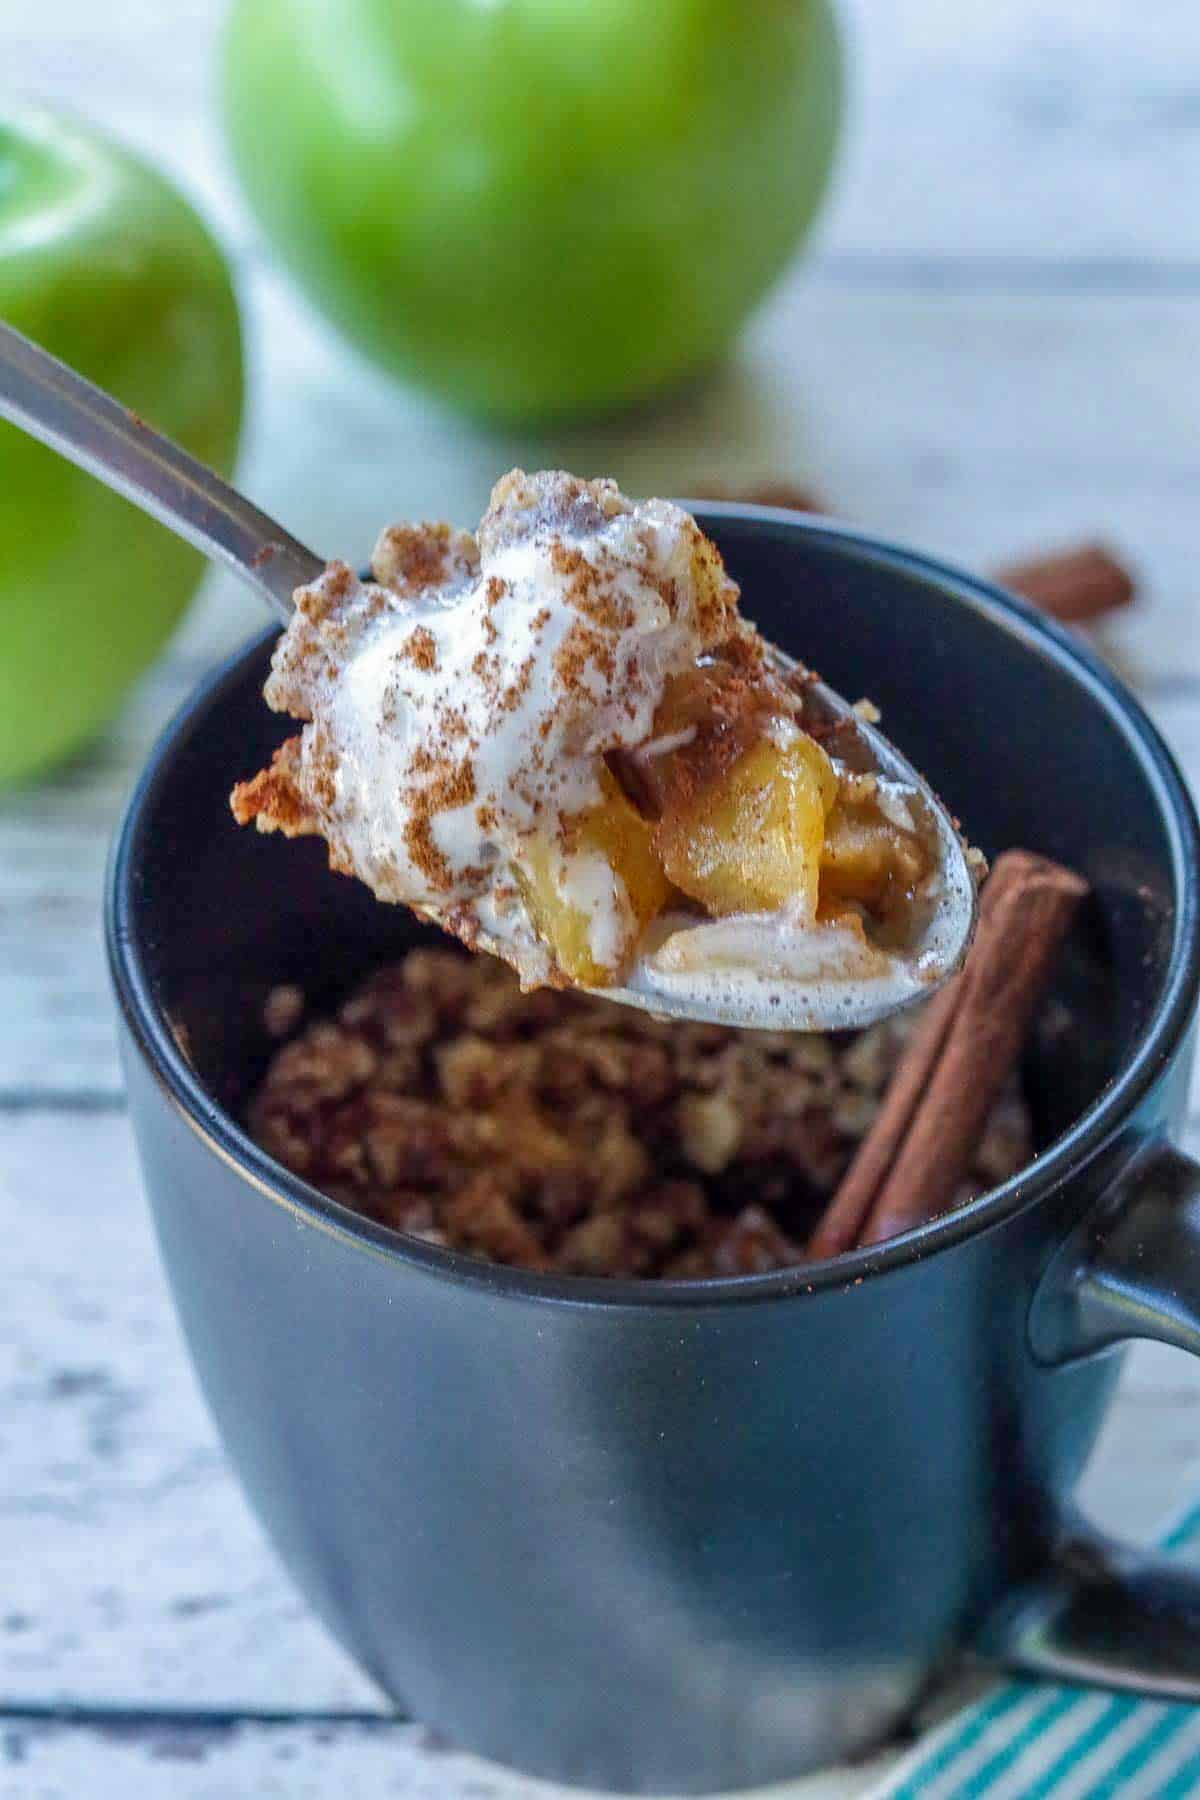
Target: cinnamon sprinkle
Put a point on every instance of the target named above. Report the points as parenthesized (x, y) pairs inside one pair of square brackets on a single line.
[(582, 647), (411, 558), (454, 786), (420, 649)]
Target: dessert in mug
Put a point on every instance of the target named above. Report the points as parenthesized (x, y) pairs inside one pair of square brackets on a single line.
[(554, 1131), (560, 741)]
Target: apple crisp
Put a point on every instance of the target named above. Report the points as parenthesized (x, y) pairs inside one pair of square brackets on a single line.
[(561, 741), (552, 1131)]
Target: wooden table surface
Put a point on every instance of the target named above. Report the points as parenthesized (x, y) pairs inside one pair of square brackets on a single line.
[(996, 346)]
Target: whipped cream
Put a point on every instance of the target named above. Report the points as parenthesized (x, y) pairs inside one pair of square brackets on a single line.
[(458, 705)]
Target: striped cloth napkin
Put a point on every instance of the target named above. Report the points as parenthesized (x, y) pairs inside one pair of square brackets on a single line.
[(1034, 1740)]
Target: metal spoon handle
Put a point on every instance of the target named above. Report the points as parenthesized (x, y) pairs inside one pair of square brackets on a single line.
[(50, 401)]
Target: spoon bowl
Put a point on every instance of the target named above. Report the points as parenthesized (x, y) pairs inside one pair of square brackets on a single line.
[(824, 999)]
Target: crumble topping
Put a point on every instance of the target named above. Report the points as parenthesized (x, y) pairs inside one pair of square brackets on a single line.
[(553, 1131)]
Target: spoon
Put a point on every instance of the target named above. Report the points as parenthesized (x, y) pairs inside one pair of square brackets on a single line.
[(51, 402)]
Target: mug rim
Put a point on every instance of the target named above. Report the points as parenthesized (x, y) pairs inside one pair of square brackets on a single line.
[(225, 1138)]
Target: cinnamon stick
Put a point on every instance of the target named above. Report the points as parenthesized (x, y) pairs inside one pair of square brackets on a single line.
[(765, 493), (1074, 586), (911, 1162), (843, 1219)]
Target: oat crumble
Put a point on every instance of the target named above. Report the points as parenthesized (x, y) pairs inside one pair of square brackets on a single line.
[(551, 1130)]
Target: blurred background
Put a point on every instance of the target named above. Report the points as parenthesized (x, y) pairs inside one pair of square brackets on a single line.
[(988, 346)]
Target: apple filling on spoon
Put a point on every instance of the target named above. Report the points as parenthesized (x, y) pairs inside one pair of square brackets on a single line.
[(562, 742)]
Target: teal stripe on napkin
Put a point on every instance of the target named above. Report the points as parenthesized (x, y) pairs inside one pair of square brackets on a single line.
[(1033, 1740)]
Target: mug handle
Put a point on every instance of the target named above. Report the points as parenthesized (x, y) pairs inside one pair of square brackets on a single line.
[(1105, 1614)]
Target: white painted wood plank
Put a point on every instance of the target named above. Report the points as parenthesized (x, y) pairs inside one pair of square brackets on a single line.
[(171, 1761), (1067, 130), (56, 1025), (134, 1574), (133, 1571)]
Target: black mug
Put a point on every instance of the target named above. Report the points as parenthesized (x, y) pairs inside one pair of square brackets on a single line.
[(699, 1535)]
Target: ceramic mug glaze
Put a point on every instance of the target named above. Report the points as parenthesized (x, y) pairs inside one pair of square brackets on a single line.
[(699, 1535)]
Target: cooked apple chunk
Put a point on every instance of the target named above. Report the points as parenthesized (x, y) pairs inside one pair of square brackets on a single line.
[(751, 840), (610, 845), (869, 858)]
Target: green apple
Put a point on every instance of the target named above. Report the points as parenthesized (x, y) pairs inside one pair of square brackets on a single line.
[(103, 263), (534, 208)]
